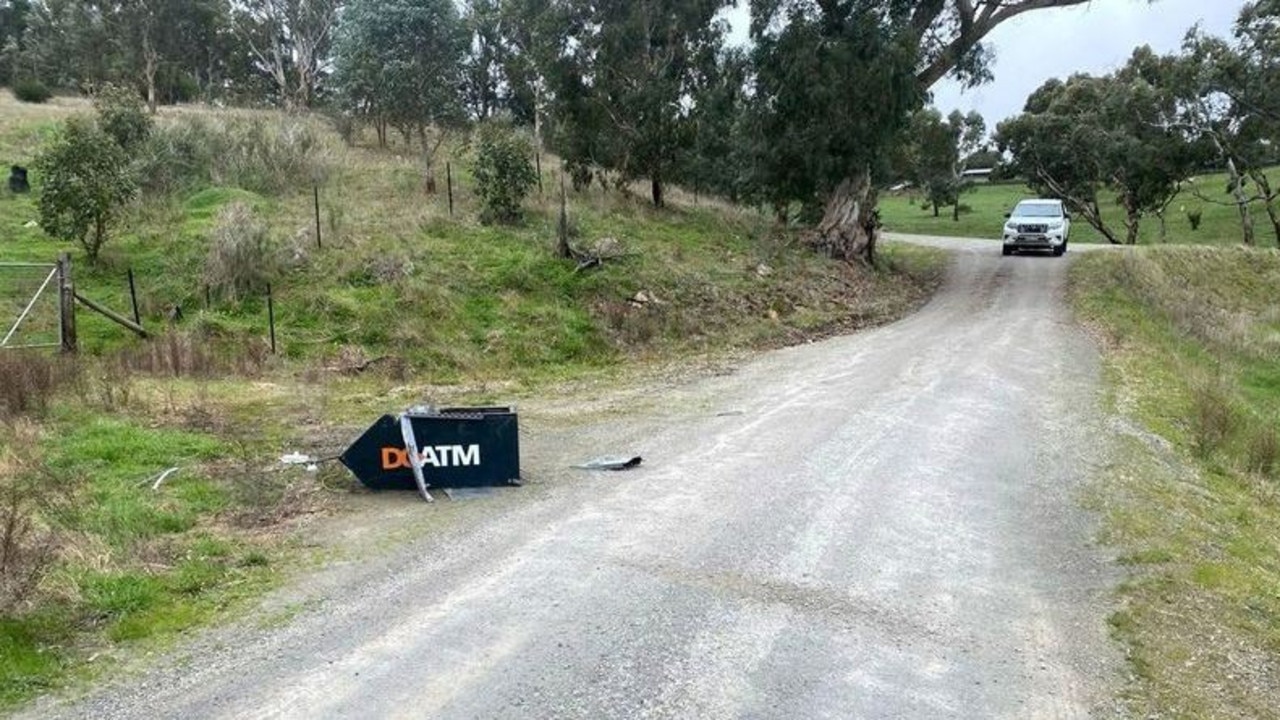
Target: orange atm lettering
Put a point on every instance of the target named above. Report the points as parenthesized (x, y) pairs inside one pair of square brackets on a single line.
[(394, 458)]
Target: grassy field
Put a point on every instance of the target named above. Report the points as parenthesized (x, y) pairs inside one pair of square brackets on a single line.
[(1192, 346), (404, 303), (1220, 224)]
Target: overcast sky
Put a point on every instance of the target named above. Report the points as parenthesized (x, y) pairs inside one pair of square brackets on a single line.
[(1096, 38)]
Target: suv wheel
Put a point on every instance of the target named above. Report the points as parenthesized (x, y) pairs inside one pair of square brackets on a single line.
[(1006, 251)]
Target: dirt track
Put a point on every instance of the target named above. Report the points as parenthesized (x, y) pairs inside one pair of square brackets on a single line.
[(884, 526)]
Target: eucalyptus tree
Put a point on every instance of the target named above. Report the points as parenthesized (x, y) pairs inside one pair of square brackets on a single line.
[(289, 41), (938, 152), (14, 16), (623, 76), (713, 163), (1089, 137), (400, 63), (836, 84), (1215, 85), (1247, 73)]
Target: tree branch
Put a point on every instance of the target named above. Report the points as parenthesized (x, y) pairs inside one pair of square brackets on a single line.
[(992, 15)]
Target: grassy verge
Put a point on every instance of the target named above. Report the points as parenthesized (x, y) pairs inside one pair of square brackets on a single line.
[(1220, 223), (405, 302), (1192, 339)]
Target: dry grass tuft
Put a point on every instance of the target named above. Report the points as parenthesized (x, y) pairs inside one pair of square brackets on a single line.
[(29, 380), (241, 260), (26, 544), (1264, 451), (1213, 418)]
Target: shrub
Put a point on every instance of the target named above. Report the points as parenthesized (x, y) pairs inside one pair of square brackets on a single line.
[(345, 125), (1213, 417), (268, 159), (249, 153), (122, 115), (86, 183), (1194, 217), (31, 91), (580, 174), (503, 170), (241, 260), (1264, 451)]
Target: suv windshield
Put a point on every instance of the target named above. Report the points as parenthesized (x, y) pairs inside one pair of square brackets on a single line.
[(1037, 210)]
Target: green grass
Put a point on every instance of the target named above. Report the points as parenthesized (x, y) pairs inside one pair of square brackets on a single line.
[(1220, 224), (1191, 350), (136, 563)]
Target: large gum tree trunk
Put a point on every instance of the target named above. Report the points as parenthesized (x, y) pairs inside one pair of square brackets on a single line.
[(1268, 199), (1132, 219), (848, 229)]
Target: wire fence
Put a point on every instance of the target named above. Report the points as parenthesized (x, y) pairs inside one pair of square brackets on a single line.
[(29, 309)]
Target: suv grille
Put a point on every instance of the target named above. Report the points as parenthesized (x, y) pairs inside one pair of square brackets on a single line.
[(1033, 228)]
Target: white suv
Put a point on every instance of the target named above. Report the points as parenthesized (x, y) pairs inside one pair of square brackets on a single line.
[(1037, 225)]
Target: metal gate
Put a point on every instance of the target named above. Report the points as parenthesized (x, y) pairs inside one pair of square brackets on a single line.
[(32, 305)]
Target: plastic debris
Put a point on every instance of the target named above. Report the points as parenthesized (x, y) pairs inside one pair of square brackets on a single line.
[(296, 459), (612, 463), (469, 493), (162, 477)]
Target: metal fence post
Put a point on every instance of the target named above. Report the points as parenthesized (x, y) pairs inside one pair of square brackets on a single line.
[(448, 178), (271, 318), (133, 297), (315, 189)]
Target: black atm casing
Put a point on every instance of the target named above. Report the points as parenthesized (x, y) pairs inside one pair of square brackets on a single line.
[(495, 430)]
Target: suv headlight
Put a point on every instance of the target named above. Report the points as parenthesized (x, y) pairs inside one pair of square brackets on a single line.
[(1055, 225)]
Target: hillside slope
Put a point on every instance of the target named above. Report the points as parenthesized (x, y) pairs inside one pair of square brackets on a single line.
[(397, 274)]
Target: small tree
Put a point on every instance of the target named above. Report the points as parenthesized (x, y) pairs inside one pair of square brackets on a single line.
[(934, 158), (503, 170), (122, 115), (85, 183)]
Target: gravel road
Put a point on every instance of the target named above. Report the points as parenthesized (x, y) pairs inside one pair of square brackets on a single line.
[(885, 525)]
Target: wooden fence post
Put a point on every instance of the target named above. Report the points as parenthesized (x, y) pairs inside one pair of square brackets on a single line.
[(563, 249), (66, 304)]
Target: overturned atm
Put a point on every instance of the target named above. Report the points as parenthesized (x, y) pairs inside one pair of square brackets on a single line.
[(449, 448)]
